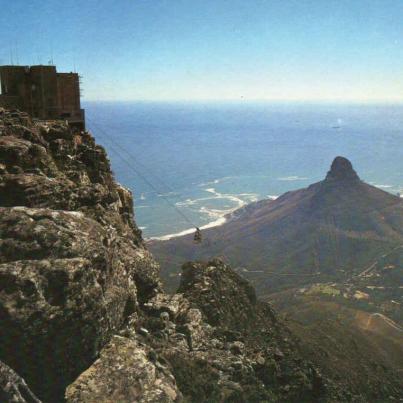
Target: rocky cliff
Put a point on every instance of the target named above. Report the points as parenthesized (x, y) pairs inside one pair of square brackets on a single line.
[(83, 317), (72, 264)]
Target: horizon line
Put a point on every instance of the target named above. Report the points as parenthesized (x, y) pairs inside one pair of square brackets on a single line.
[(257, 100)]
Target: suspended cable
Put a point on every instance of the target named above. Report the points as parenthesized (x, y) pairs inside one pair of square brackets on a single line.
[(138, 173), (130, 155)]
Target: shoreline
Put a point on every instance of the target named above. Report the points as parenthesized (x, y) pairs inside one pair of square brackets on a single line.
[(220, 221), (216, 223), (222, 216)]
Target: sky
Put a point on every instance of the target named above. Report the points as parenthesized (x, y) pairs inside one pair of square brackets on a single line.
[(304, 50)]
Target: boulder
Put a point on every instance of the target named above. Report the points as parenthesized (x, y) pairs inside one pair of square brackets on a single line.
[(125, 372), (225, 298)]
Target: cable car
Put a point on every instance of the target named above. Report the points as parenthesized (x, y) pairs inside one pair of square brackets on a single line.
[(197, 238)]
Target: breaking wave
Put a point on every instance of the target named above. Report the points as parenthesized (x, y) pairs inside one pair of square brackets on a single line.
[(381, 186), (292, 178), (217, 215)]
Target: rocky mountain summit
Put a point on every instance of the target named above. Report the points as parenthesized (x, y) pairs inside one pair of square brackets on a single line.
[(342, 170), (83, 316)]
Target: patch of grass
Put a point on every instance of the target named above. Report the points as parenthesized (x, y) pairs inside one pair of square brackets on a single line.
[(323, 289)]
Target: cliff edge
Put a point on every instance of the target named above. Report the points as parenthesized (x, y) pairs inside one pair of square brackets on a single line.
[(72, 263)]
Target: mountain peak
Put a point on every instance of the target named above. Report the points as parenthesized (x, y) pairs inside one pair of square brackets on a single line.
[(341, 169)]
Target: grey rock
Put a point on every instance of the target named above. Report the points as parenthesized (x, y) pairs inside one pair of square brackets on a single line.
[(73, 267), (123, 373), (13, 388)]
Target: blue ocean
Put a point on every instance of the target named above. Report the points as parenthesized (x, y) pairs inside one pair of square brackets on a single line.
[(189, 164)]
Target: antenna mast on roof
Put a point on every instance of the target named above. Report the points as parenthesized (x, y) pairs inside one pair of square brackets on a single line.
[(51, 55), (16, 53)]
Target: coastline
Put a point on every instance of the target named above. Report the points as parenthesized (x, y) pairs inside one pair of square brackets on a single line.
[(222, 216), (216, 223), (220, 221)]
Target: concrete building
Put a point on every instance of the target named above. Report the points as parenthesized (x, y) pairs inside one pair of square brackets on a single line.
[(42, 92)]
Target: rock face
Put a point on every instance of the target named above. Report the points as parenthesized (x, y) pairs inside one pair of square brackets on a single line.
[(72, 263), (341, 170), (202, 285), (252, 354), (13, 388), (124, 373), (212, 342)]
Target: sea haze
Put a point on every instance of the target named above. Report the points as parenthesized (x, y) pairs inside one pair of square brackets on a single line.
[(207, 159)]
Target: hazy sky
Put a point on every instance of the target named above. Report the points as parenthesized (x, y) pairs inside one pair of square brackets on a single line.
[(214, 49)]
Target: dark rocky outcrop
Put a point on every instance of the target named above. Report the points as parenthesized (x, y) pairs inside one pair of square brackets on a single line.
[(341, 170), (72, 263), (212, 342), (203, 285), (124, 372)]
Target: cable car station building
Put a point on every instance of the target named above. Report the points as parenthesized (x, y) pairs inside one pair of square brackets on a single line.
[(43, 93)]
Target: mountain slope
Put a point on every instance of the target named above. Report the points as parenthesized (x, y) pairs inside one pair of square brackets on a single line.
[(327, 231), (342, 337)]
